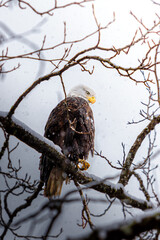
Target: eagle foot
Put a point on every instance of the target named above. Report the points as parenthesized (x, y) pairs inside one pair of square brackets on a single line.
[(84, 165)]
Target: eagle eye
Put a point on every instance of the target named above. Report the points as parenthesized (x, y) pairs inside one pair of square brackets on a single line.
[(87, 92)]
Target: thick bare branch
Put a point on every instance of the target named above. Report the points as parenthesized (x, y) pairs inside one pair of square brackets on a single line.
[(125, 174), (127, 230)]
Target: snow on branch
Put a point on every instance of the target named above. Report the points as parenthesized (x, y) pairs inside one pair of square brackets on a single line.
[(41, 145)]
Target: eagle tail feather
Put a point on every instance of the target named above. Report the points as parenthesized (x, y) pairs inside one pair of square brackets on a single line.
[(54, 183)]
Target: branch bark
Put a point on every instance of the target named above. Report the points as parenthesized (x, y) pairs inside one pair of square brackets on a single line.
[(125, 174), (127, 230), (43, 145)]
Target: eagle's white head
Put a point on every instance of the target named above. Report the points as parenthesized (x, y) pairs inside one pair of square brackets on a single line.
[(83, 92)]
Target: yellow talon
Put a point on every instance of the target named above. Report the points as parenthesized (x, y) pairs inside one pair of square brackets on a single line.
[(84, 164)]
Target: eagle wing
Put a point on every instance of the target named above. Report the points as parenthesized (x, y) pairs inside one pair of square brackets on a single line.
[(71, 126)]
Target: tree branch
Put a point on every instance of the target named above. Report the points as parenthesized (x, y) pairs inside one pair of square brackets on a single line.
[(43, 145), (127, 230), (125, 174)]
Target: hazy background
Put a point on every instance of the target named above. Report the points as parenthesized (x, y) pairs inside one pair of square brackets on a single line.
[(118, 99)]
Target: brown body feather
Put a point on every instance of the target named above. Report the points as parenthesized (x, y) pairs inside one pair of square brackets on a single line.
[(71, 126)]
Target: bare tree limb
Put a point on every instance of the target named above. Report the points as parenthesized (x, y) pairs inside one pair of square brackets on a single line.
[(126, 230), (125, 174)]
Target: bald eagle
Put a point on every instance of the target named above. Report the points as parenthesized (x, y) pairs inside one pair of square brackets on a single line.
[(71, 126)]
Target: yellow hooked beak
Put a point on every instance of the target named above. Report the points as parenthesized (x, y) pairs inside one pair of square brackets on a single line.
[(92, 99)]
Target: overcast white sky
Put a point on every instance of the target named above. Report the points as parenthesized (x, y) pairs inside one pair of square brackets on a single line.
[(118, 99)]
